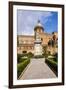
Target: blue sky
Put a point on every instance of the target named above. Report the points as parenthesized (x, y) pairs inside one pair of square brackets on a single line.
[(27, 20)]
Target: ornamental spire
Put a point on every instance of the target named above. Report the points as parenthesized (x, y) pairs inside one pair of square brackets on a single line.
[(38, 21)]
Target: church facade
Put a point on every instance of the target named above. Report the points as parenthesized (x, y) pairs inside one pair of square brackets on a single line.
[(26, 43)]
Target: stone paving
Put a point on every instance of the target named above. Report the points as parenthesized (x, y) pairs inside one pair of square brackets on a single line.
[(37, 69)]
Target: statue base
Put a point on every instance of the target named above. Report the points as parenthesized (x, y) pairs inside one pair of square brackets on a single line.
[(37, 49)]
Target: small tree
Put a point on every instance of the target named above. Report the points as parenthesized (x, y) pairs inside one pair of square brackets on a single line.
[(45, 52), (30, 55)]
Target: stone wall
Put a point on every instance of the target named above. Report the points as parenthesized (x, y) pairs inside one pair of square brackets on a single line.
[(26, 43)]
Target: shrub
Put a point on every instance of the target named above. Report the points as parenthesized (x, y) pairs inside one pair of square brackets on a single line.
[(21, 67), (19, 57), (56, 55), (30, 55), (45, 55), (54, 59), (22, 59), (24, 54), (45, 52), (52, 64)]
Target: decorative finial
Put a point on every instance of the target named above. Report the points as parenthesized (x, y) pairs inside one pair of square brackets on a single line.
[(38, 21)]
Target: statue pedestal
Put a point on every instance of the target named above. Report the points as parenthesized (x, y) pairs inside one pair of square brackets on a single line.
[(37, 48), (37, 45)]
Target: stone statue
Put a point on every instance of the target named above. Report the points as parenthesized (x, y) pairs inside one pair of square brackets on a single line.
[(37, 36)]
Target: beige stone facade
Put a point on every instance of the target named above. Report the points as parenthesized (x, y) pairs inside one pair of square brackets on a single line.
[(25, 43)]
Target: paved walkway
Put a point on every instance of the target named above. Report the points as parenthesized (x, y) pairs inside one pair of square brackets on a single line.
[(37, 69)]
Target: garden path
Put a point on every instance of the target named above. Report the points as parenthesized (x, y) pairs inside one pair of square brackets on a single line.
[(37, 69)]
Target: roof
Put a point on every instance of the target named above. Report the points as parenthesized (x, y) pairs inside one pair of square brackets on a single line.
[(39, 25), (31, 36)]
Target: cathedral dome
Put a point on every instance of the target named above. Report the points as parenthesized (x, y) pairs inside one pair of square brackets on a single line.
[(39, 25)]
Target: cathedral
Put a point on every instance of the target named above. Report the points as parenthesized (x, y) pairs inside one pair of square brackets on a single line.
[(28, 43)]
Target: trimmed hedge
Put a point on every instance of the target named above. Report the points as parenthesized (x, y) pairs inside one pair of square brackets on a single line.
[(30, 55), (18, 57), (22, 59), (52, 64), (53, 59), (21, 66)]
